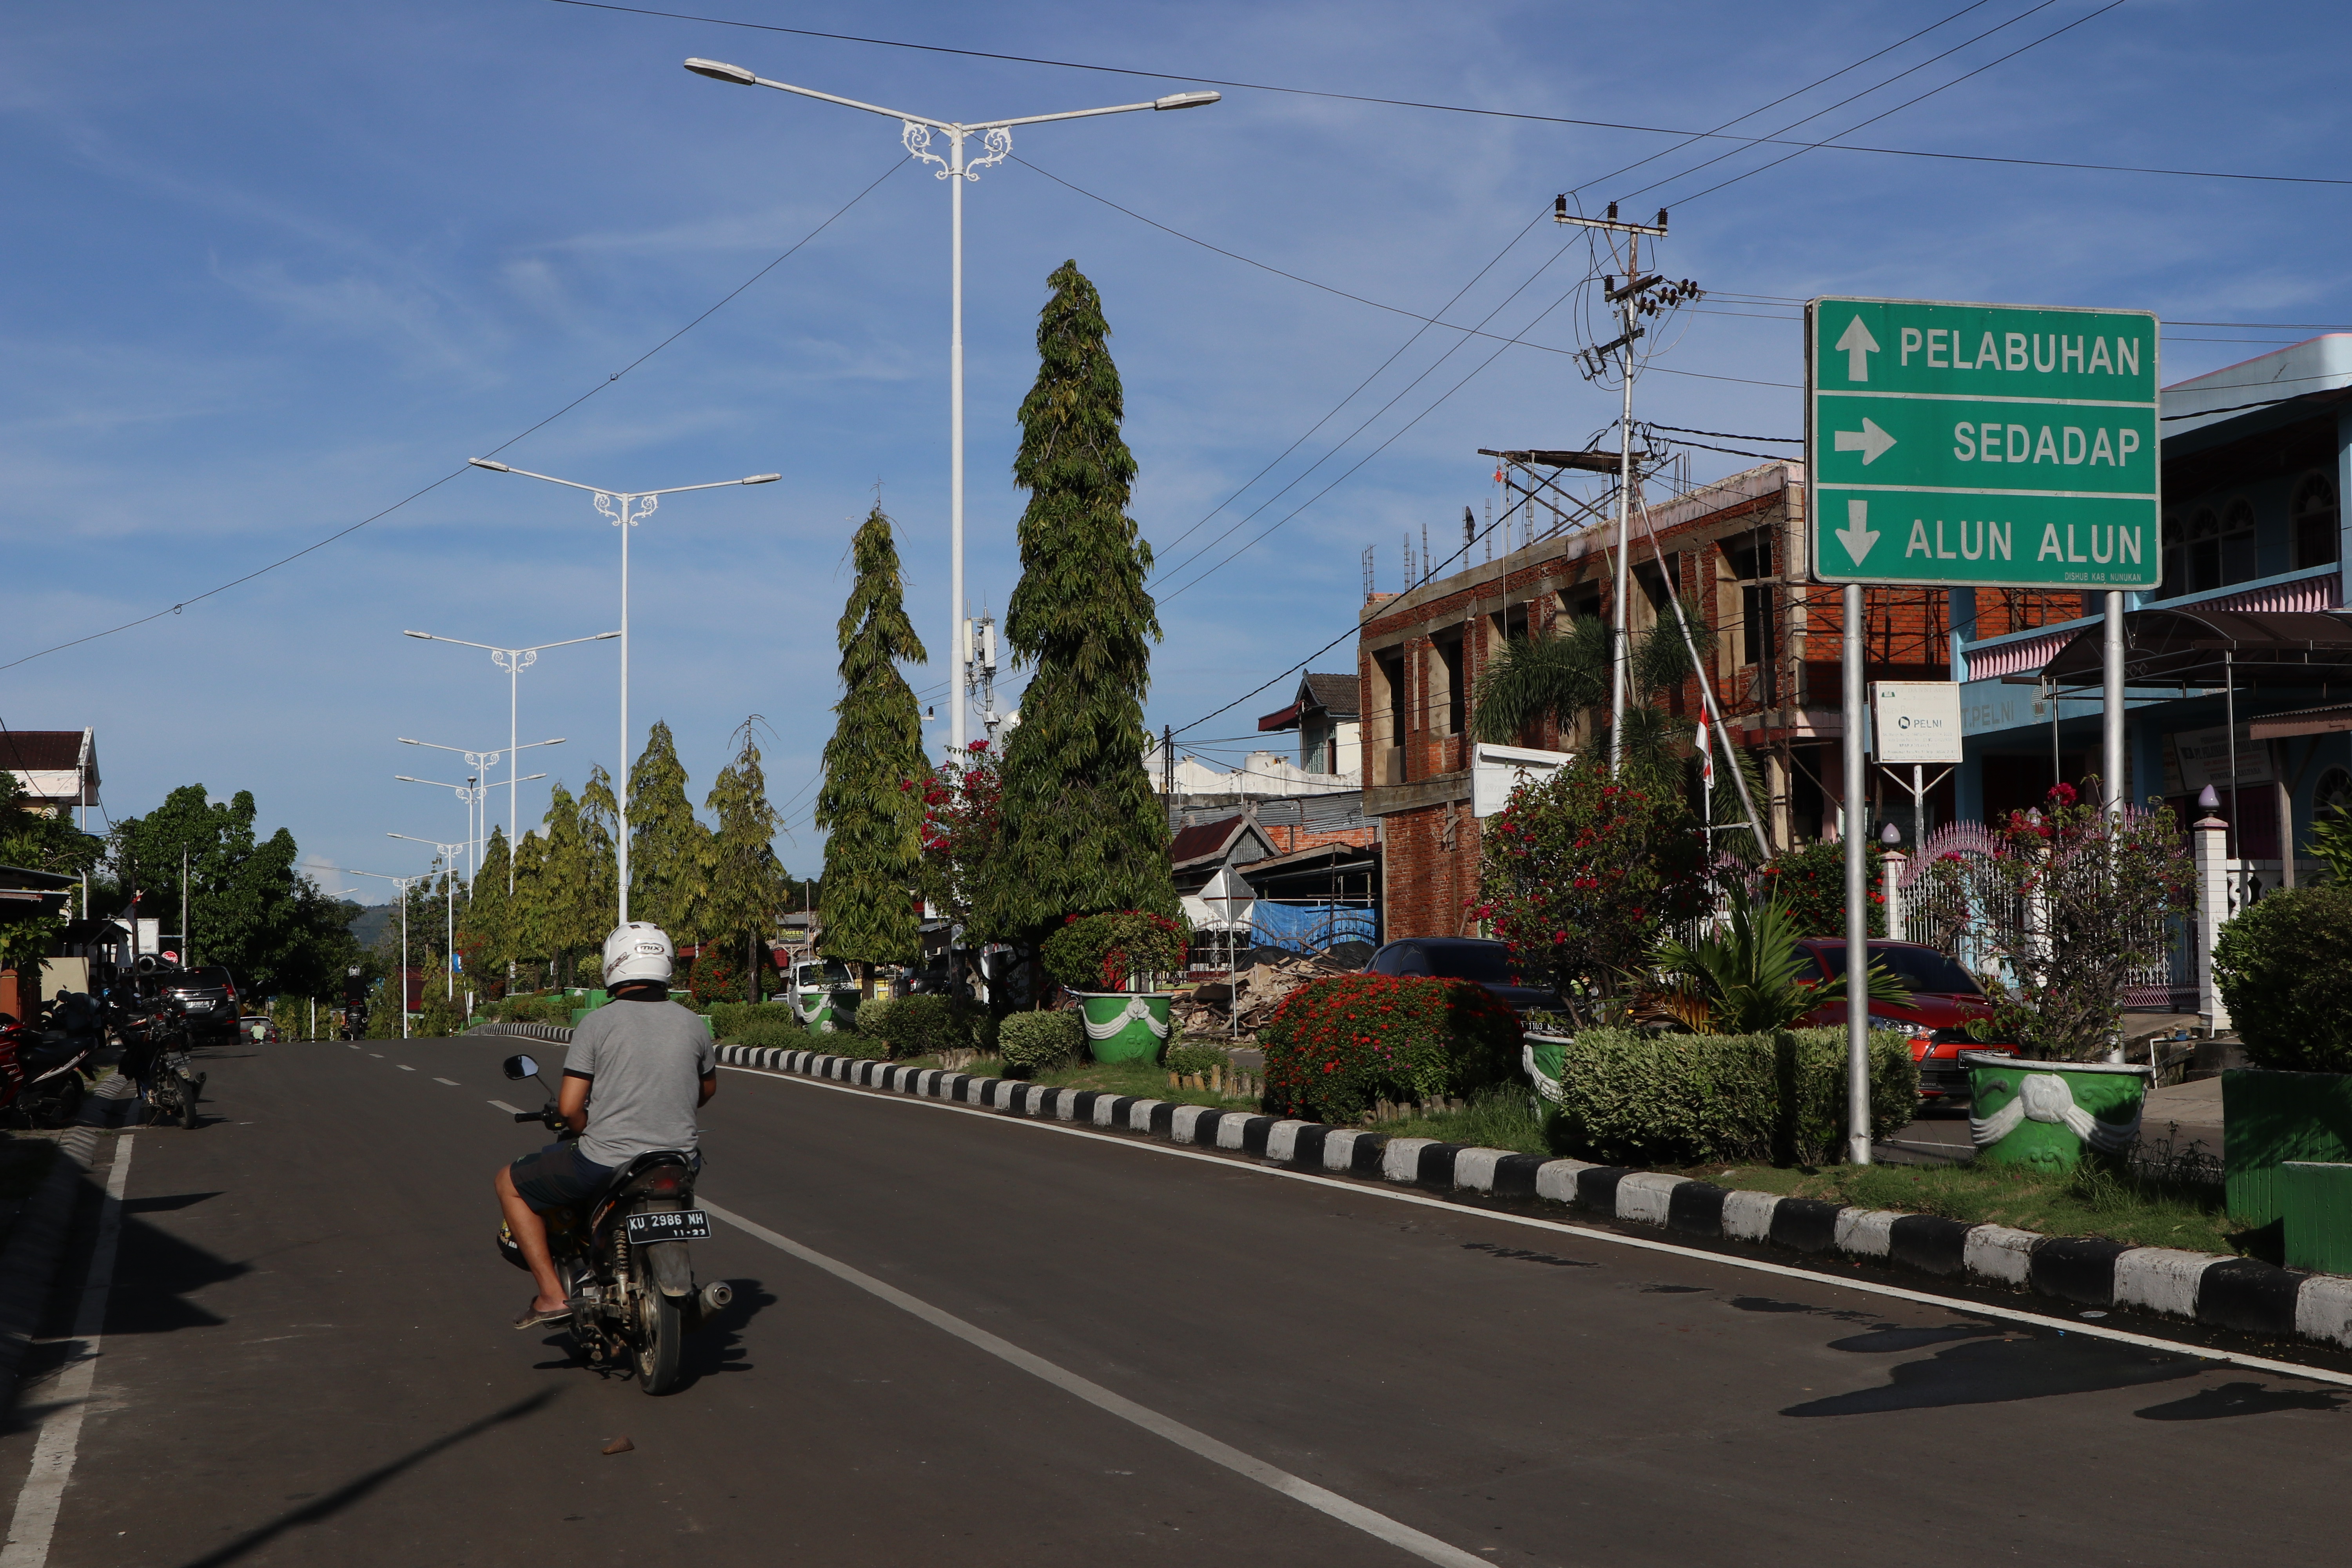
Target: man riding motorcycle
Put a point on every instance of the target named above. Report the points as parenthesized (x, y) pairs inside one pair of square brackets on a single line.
[(638, 1070)]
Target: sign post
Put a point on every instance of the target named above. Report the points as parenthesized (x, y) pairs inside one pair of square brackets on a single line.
[(1951, 445)]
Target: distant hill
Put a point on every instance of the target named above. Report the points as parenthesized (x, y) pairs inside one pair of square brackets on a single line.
[(369, 923)]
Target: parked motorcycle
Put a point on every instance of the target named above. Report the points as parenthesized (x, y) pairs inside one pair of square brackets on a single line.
[(623, 1261), (41, 1076), (155, 1055)]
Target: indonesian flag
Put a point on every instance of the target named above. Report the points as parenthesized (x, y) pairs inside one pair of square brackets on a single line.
[(1706, 756)]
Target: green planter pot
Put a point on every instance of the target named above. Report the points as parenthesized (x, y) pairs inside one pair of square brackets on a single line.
[(2270, 1117), (823, 1009), (1125, 1026), (1542, 1058), (2046, 1113)]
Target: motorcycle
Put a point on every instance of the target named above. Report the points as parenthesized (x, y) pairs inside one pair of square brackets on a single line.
[(41, 1068), (623, 1261), (155, 1055)]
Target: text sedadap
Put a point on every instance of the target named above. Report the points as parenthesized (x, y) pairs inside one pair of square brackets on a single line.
[(1946, 348), (1993, 441)]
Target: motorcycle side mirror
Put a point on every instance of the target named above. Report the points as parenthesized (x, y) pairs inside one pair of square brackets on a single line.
[(518, 1068)]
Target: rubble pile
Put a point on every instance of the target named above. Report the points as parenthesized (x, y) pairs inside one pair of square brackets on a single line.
[(1210, 1008)]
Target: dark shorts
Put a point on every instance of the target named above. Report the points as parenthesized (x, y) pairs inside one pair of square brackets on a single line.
[(557, 1177)]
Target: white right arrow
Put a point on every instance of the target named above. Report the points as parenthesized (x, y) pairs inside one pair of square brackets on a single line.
[(1856, 535), (1858, 345), (1870, 441)]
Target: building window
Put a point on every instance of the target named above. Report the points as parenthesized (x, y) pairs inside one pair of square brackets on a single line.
[(1752, 567), (2204, 551), (1448, 648), (2176, 560), (2312, 512), (1386, 763), (1511, 625), (2239, 561)]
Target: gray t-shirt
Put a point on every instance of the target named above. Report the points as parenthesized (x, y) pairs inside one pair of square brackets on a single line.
[(647, 1060)]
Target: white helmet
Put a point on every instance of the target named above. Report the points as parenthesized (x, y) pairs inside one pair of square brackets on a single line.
[(637, 950)]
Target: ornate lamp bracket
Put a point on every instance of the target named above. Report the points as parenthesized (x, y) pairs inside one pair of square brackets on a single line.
[(999, 143), (918, 139)]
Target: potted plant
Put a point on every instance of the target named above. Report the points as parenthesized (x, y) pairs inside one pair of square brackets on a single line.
[(2071, 907), (2284, 966), (1111, 963)]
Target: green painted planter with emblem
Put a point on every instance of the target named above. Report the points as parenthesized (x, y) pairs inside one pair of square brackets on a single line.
[(2046, 1114), (823, 997), (1125, 1026), (1543, 1058)]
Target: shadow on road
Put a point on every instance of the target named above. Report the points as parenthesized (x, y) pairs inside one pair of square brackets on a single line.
[(352, 1491), (716, 1347), (1983, 1367), (159, 1272), (2240, 1399)]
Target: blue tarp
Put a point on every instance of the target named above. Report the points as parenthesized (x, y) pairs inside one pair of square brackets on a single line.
[(1305, 928)]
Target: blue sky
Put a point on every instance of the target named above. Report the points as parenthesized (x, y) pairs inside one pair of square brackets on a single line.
[(273, 268)]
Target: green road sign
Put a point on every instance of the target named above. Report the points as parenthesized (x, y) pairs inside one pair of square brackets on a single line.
[(1993, 445)]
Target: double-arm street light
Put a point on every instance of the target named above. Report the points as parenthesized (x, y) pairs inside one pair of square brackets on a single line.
[(449, 890), (403, 884), (514, 661), (996, 136), (622, 507), (482, 762)]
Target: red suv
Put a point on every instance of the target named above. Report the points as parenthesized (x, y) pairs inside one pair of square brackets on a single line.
[(1945, 999)]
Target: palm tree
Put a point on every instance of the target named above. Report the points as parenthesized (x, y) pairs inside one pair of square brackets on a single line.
[(1566, 675)]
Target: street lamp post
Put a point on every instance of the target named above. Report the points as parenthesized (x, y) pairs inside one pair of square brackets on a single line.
[(996, 136), (403, 884), (484, 762), (514, 661), (621, 507), (470, 792), (449, 892)]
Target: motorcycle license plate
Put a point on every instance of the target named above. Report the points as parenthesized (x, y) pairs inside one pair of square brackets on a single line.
[(685, 1224)]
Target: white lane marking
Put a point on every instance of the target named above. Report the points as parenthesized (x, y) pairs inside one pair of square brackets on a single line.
[(509, 1110), (377, 1055), (36, 1518), (450, 1081), (1426, 1547), (1756, 1264), (405, 1067)]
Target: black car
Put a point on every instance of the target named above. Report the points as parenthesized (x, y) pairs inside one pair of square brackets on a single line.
[(1484, 964), (208, 998)]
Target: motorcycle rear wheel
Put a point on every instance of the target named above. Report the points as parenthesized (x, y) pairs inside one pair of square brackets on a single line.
[(660, 1336)]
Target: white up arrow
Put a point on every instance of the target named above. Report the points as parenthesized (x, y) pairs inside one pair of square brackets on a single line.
[(1857, 345), (1856, 535), (1870, 440)]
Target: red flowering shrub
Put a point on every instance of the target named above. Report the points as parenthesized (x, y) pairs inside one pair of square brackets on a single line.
[(713, 978), (1101, 952), (1581, 875), (1337, 1045), (1810, 883)]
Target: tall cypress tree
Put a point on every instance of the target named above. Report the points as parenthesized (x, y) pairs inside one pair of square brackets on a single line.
[(1080, 828), (873, 821), (744, 884), (668, 843)]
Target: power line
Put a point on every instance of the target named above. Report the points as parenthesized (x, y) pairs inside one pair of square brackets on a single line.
[(1725, 435), (436, 484), (1469, 110), (1906, 103)]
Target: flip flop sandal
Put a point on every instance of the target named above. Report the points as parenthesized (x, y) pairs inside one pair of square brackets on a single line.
[(533, 1317)]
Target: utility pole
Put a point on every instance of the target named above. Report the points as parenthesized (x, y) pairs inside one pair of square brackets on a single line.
[(1634, 299)]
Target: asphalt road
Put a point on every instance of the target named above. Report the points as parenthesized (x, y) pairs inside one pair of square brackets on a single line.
[(307, 1361)]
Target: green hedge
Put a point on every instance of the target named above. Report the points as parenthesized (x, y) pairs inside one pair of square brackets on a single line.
[(1338, 1044), (1633, 1099), (1195, 1058), (766, 1024), (2285, 970), (1039, 1042)]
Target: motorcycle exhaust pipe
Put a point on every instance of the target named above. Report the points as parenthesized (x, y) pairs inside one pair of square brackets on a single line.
[(717, 1297)]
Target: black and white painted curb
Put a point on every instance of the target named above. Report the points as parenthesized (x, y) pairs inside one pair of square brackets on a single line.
[(2239, 1293)]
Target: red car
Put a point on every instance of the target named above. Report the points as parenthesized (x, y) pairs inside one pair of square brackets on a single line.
[(1945, 999)]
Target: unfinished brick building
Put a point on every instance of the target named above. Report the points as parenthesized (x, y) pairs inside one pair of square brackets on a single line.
[(1737, 549)]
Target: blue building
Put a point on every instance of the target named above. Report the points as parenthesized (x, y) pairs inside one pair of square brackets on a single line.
[(2249, 627)]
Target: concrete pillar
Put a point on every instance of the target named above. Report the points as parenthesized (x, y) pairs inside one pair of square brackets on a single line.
[(1890, 887), (2212, 848)]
